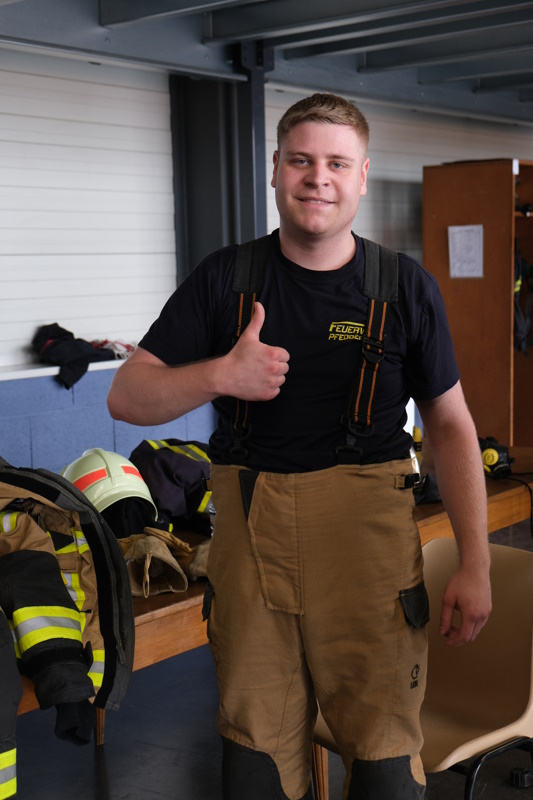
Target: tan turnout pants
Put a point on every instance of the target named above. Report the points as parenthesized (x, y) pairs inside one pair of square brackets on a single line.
[(311, 598)]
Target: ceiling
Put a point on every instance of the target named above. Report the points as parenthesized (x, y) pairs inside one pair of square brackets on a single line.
[(471, 58)]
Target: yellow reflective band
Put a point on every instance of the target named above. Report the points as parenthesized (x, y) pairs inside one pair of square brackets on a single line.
[(41, 623), (8, 774), (96, 672), (79, 545), (8, 788), (189, 450), (205, 502), (72, 582), (8, 520), (8, 758), (81, 541)]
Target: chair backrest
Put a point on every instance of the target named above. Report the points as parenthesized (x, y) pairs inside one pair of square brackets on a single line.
[(490, 679)]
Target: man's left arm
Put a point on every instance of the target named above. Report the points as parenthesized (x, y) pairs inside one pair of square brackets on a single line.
[(452, 437)]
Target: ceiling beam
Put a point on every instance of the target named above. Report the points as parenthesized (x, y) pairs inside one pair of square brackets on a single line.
[(508, 83), (122, 12), (406, 33), (453, 49), (292, 17), (476, 68)]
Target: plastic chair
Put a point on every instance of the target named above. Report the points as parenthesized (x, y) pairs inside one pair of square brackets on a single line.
[(479, 697)]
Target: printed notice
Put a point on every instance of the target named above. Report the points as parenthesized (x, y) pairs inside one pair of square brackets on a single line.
[(465, 246)]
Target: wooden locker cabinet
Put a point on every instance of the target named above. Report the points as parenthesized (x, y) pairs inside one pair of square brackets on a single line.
[(497, 380)]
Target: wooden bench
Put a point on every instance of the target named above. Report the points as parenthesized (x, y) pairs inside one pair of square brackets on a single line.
[(169, 624)]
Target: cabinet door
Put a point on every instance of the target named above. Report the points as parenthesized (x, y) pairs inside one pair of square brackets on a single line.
[(480, 310)]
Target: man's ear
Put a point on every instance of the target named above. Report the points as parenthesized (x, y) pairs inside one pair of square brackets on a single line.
[(364, 174), (275, 159)]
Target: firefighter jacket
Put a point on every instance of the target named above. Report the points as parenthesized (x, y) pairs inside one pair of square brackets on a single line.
[(65, 593)]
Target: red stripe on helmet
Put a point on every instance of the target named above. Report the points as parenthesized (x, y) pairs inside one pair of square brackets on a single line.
[(131, 471), (92, 477)]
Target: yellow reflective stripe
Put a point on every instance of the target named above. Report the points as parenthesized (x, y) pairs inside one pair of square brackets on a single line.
[(205, 502), (72, 582), (8, 789), (40, 623), (8, 520), (189, 450), (79, 545), (96, 672), (8, 758), (81, 541), (8, 774)]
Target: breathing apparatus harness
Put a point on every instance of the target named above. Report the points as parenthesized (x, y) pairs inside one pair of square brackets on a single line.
[(380, 286)]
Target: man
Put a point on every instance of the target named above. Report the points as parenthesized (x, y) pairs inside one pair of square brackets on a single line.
[(315, 565)]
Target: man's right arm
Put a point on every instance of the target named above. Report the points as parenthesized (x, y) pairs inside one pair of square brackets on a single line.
[(146, 391)]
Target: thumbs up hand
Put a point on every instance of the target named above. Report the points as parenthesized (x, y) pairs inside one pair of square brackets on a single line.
[(256, 370)]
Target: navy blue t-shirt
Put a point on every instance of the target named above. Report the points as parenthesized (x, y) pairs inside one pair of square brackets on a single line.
[(318, 317)]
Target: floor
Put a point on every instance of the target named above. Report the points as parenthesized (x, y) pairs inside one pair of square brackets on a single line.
[(162, 743)]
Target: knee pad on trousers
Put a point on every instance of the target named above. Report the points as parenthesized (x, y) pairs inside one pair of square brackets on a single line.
[(391, 778), (250, 775)]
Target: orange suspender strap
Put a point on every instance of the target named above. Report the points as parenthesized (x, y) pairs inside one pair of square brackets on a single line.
[(381, 288), (248, 279)]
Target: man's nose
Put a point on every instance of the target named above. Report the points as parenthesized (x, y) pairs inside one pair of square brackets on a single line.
[(317, 175)]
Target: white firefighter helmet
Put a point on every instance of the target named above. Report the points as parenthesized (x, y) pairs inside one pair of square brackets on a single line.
[(105, 477)]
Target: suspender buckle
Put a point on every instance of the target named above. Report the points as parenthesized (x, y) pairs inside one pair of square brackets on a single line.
[(373, 349), (358, 429)]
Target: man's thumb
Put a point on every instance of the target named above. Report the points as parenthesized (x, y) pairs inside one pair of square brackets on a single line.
[(256, 323)]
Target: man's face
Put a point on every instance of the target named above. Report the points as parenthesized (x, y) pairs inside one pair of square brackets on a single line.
[(319, 175)]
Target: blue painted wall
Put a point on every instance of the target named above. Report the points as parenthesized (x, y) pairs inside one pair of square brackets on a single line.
[(42, 424)]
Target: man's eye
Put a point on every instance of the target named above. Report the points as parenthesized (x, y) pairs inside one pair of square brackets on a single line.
[(337, 165)]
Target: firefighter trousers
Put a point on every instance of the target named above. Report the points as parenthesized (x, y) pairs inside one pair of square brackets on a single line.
[(316, 594)]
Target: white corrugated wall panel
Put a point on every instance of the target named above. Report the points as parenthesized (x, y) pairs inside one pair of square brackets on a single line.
[(402, 142), (86, 201)]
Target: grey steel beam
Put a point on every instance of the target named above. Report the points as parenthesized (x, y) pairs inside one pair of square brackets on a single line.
[(73, 28), (479, 67), (408, 35), (290, 17), (508, 83), (459, 48), (472, 10), (120, 12)]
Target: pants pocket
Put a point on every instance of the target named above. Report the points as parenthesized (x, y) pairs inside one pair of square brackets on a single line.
[(415, 605)]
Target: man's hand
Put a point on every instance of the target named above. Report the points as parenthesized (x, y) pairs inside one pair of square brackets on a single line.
[(468, 593), (255, 371)]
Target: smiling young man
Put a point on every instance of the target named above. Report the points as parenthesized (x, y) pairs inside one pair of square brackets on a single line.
[(316, 588)]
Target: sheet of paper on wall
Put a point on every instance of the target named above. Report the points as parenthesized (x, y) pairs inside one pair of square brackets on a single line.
[(465, 246)]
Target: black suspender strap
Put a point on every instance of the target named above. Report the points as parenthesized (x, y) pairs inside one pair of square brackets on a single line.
[(381, 287), (248, 279)]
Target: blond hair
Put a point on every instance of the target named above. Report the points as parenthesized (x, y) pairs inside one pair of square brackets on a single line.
[(329, 108)]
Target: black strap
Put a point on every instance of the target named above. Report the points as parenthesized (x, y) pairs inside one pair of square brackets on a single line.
[(248, 279), (381, 287)]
